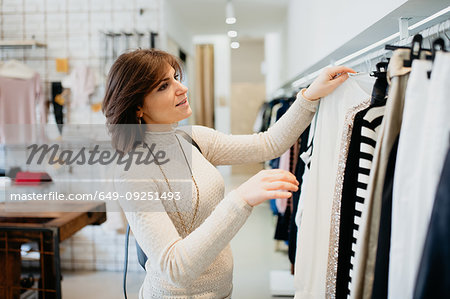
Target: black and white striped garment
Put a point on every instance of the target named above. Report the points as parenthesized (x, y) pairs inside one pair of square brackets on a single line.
[(369, 133)]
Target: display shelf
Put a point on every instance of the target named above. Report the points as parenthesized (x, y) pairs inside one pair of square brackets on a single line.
[(21, 44)]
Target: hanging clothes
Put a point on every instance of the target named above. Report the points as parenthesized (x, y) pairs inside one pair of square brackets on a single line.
[(405, 177), (415, 179), (433, 280), (299, 170), (257, 125), (362, 146), (365, 253), (381, 272), (57, 90), (333, 250), (21, 102), (319, 186), (81, 82), (284, 163)]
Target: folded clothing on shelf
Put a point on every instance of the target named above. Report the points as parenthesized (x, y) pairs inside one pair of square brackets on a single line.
[(32, 178)]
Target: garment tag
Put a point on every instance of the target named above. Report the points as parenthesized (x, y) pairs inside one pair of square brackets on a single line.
[(306, 158)]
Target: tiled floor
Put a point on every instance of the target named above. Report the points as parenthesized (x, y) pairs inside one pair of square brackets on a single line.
[(254, 257)]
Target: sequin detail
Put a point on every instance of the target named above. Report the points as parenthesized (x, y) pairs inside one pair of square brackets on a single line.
[(333, 249)]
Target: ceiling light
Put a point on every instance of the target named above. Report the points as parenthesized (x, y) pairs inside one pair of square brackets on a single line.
[(229, 13), (230, 21), (234, 45), (232, 33)]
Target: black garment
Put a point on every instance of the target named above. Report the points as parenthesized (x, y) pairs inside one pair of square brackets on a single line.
[(433, 280), (299, 170), (57, 89), (283, 221), (348, 203), (282, 227), (380, 283)]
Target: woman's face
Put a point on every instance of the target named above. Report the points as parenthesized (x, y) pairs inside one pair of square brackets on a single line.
[(168, 102)]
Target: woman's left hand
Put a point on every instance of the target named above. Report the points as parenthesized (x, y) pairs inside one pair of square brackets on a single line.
[(326, 82)]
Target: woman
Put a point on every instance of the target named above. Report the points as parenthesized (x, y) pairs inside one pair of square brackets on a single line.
[(187, 240)]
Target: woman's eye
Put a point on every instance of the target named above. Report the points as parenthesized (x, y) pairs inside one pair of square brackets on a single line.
[(176, 77), (162, 87)]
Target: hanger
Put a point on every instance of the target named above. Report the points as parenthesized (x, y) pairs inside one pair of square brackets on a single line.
[(380, 87), (416, 49), (438, 45), (16, 69), (381, 69)]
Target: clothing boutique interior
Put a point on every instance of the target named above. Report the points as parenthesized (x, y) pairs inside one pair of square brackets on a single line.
[(370, 217)]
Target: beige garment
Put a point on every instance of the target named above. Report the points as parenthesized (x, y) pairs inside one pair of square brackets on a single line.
[(197, 263), (390, 128)]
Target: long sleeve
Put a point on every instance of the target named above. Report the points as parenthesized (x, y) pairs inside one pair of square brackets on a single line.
[(177, 260), (223, 149)]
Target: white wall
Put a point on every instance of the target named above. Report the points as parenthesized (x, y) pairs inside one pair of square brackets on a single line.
[(317, 28), (175, 27), (273, 61)]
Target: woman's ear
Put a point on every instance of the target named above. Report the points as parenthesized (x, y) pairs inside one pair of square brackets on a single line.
[(139, 112)]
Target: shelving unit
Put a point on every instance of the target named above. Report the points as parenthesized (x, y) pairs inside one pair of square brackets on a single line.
[(21, 44)]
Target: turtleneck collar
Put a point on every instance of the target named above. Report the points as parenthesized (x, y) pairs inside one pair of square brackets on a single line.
[(161, 128), (161, 135)]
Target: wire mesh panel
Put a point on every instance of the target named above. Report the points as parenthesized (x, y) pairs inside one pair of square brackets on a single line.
[(30, 259)]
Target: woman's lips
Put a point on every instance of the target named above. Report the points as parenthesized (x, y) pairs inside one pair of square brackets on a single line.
[(181, 103)]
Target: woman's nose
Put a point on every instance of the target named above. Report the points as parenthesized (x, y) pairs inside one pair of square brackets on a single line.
[(181, 88)]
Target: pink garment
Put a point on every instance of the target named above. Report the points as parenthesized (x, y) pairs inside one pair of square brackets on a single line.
[(281, 203), (18, 101)]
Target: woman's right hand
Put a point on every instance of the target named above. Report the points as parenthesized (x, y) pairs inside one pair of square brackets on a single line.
[(268, 184)]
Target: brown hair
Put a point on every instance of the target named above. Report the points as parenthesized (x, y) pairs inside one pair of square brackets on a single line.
[(132, 76)]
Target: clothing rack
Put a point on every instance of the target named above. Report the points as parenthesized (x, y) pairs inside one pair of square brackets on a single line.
[(430, 27)]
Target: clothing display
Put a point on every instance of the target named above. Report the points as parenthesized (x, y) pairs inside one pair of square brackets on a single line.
[(21, 94), (169, 128), (333, 251), (433, 279), (362, 146), (281, 203), (81, 82), (365, 253), (199, 263), (299, 170), (358, 157), (416, 181), (380, 281), (319, 187), (57, 89)]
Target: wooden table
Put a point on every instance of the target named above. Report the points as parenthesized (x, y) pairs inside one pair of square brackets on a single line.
[(47, 229)]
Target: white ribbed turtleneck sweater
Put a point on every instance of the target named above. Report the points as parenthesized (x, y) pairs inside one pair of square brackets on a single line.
[(198, 264)]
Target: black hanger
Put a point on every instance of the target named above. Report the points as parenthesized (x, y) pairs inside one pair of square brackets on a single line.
[(438, 45), (416, 48), (381, 69), (380, 87)]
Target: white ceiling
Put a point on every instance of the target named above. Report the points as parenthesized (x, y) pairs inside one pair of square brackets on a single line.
[(254, 17)]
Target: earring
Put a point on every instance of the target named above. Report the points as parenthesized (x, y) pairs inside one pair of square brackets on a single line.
[(140, 120)]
